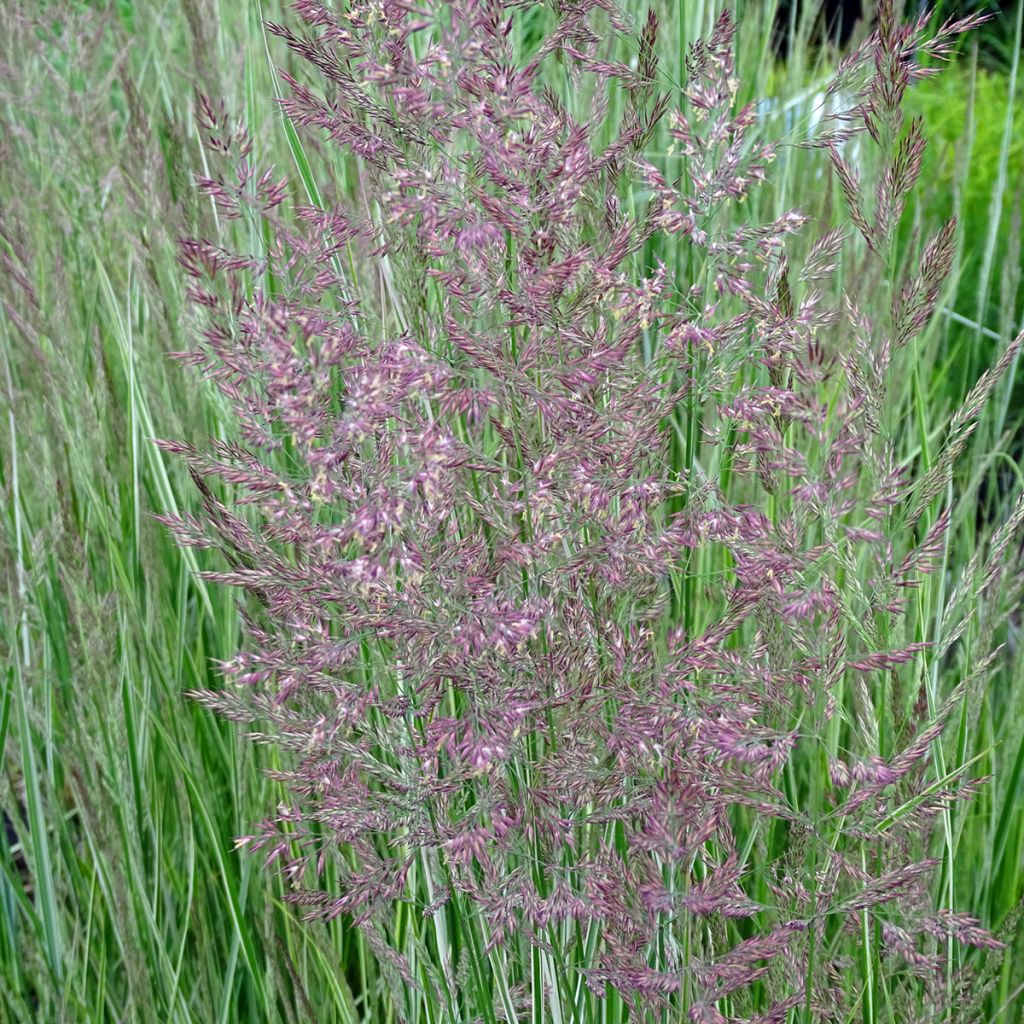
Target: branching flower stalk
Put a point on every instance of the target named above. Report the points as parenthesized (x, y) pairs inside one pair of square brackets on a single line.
[(577, 586)]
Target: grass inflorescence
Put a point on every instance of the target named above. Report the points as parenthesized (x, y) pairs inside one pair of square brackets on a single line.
[(588, 470)]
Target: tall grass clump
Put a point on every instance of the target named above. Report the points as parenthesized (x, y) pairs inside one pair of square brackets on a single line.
[(594, 544)]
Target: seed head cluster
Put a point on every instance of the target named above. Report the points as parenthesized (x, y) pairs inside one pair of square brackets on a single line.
[(569, 506)]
